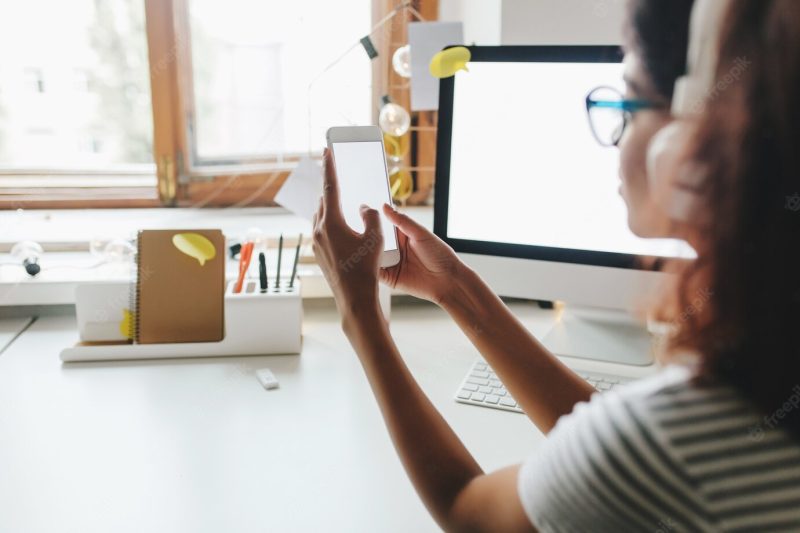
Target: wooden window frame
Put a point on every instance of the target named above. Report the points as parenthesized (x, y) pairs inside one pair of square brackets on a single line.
[(178, 181), (421, 158)]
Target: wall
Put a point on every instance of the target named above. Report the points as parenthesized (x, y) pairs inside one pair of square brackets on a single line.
[(482, 19), (562, 21), (537, 21)]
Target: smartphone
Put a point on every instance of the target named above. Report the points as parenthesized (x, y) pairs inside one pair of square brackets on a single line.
[(360, 161)]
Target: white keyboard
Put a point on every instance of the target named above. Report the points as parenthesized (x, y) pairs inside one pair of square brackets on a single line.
[(482, 387)]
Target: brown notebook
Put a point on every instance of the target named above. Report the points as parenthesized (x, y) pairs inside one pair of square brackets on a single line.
[(177, 299)]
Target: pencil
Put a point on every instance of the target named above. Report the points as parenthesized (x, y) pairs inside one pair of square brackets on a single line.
[(262, 271), (296, 258), (280, 253), (244, 264)]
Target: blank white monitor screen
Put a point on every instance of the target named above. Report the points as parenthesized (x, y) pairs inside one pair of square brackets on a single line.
[(525, 168)]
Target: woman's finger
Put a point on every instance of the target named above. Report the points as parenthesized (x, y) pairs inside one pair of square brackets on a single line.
[(388, 276), (405, 223), (320, 209), (330, 189), (372, 223), (317, 214)]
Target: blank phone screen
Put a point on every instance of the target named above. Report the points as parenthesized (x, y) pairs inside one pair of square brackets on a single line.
[(361, 169)]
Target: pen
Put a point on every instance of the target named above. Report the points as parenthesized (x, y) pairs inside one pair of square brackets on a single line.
[(262, 271), (244, 264), (296, 257), (280, 253)]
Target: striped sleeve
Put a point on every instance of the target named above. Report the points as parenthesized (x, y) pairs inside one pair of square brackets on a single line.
[(604, 468), (663, 455)]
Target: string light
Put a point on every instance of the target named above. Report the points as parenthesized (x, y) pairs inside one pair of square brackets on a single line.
[(28, 253), (393, 119), (401, 61)]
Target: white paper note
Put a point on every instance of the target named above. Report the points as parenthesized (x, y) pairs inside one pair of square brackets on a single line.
[(426, 40), (302, 190)]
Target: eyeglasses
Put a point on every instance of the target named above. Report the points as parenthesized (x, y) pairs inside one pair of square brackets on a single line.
[(610, 112)]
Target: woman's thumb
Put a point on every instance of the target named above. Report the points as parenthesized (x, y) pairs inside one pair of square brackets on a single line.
[(372, 221)]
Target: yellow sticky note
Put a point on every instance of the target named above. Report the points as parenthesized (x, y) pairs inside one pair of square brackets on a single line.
[(196, 246), (447, 62), (396, 146), (126, 325), (401, 184)]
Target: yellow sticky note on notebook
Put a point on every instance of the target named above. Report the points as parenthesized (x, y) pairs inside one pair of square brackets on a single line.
[(196, 246), (126, 325)]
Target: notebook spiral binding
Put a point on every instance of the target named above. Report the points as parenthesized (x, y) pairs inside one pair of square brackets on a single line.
[(133, 324)]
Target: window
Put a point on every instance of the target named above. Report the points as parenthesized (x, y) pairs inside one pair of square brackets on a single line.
[(179, 102), (34, 81), (50, 48), (260, 85)]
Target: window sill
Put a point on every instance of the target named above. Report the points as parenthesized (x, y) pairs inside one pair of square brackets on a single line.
[(65, 235), (78, 198)]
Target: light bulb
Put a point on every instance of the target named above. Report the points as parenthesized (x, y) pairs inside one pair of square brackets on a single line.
[(119, 251), (97, 247), (401, 61), (394, 120), (28, 253), (256, 236)]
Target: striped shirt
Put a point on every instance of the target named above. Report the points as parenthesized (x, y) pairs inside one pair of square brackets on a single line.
[(664, 455)]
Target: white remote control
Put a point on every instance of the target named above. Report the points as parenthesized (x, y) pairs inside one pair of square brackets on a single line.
[(267, 378)]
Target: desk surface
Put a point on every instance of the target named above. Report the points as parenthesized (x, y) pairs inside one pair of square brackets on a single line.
[(199, 445)]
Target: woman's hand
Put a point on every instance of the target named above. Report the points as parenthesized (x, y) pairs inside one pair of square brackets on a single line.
[(428, 267), (349, 260)]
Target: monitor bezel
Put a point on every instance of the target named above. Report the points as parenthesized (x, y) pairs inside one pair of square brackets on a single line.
[(520, 54)]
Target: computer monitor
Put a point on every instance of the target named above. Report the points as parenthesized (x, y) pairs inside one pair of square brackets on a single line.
[(529, 199)]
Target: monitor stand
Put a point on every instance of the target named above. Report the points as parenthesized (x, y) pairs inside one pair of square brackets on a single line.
[(601, 335)]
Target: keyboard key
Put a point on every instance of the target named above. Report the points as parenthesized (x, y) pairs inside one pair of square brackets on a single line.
[(483, 386)]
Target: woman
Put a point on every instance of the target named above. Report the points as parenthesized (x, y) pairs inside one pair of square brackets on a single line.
[(712, 444)]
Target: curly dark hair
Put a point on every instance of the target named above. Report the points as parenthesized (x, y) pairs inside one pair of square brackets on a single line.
[(747, 334), (658, 31)]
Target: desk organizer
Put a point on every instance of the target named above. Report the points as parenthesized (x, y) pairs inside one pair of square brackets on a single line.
[(256, 323)]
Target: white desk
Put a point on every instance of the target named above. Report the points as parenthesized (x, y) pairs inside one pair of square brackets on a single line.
[(10, 328), (199, 446)]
